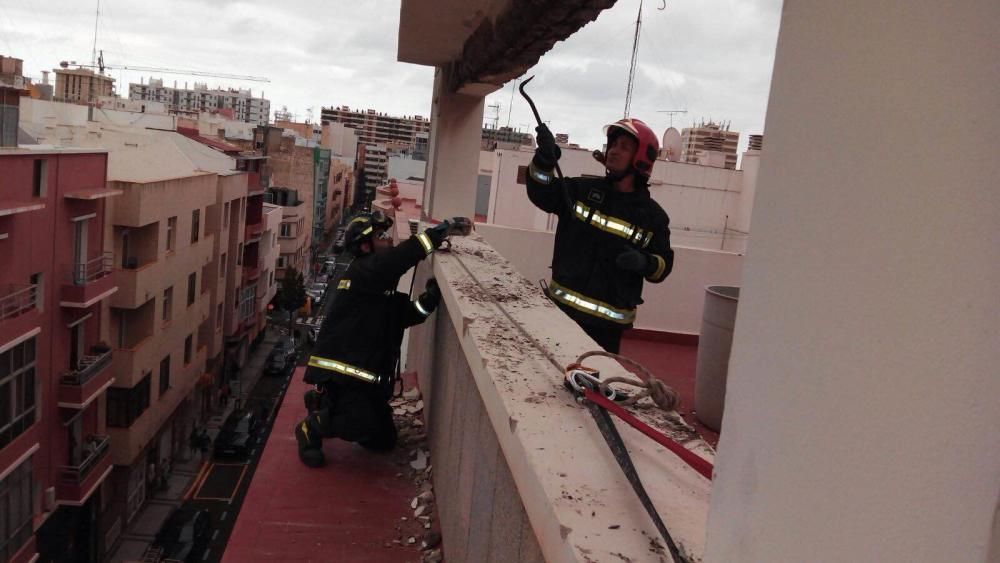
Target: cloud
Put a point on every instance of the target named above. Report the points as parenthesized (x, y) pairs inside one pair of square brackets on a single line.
[(711, 57)]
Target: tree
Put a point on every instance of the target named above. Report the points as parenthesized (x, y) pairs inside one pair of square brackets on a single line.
[(292, 295)]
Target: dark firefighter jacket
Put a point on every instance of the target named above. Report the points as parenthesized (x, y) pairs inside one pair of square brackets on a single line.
[(358, 343), (596, 224)]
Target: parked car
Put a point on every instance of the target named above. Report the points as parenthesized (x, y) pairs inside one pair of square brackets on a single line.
[(237, 434), (185, 535), (282, 355)]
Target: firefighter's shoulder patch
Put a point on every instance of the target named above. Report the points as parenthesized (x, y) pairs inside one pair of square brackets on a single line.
[(596, 195)]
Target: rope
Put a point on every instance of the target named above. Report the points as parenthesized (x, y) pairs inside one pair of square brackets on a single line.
[(661, 393)]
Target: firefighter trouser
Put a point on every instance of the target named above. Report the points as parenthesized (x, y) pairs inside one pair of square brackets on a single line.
[(356, 414)]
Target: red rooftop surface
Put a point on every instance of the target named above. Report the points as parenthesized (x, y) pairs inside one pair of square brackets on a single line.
[(346, 511), (349, 510)]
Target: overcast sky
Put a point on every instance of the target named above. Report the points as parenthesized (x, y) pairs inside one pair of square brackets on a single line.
[(712, 58)]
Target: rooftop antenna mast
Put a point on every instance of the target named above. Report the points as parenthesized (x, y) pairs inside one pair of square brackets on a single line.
[(97, 18), (635, 53), (672, 112), (496, 114)]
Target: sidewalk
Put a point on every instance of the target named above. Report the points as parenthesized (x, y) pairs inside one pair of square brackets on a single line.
[(142, 531)]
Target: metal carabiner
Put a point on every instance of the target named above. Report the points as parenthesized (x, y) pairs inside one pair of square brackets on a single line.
[(579, 379)]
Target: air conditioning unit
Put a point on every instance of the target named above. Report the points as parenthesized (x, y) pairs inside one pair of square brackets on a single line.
[(50, 499)]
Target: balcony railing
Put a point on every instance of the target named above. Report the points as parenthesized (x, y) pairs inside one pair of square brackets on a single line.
[(19, 299), (94, 448), (84, 273), (90, 365)]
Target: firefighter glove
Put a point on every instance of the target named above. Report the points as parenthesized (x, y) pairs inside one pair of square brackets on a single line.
[(548, 152), (439, 232), (431, 296), (460, 226), (636, 261)]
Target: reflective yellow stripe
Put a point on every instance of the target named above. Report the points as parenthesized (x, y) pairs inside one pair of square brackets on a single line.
[(366, 231), (649, 239), (661, 265), (344, 284), (341, 367), (590, 306), (610, 224), (425, 241), (540, 176), (420, 308)]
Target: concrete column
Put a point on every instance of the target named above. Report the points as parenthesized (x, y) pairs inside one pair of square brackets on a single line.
[(453, 162), (863, 399)]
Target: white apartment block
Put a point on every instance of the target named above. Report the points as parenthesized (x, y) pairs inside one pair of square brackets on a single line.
[(710, 144), (376, 165), (379, 128), (199, 99)]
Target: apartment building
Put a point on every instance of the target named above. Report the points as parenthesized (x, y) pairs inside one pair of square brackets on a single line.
[(293, 234), (508, 137), (710, 144), (374, 161), (201, 98), (397, 133), (55, 282), (82, 85)]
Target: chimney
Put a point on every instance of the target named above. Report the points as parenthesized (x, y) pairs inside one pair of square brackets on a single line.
[(45, 77)]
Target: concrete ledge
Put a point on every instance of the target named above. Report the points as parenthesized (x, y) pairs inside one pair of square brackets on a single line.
[(492, 390)]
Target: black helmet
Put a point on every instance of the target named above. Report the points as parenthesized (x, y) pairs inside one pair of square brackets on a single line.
[(362, 227)]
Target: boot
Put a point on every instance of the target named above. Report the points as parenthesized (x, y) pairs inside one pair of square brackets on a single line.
[(313, 400), (310, 443)]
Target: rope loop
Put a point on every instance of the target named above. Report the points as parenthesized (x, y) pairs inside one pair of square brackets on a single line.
[(661, 393)]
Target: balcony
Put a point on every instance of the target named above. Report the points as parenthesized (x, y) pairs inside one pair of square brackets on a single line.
[(79, 387), (18, 312), (77, 482), (89, 282), (251, 272), (253, 231)]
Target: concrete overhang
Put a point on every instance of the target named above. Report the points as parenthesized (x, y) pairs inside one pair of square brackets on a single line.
[(483, 44)]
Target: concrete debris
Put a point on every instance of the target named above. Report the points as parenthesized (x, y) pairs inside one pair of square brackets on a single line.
[(398, 411), (433, 556), (419, 511), (411, 394), (419, 406), (414, 502), (420, 463), (431, 540), (426, 496), (412, 540)]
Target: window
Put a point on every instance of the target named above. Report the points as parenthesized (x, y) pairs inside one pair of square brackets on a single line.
[(171, 233), (188, 348), (165, 373), (222, 265), (168, 304), (271, 279), (125, 406), (286, 229), (195, 225), (192, 283), (38, 280), (239, 254), (39, 177), (17, 390), (225, 215), (16, 509), (281, 262), (218, 316)]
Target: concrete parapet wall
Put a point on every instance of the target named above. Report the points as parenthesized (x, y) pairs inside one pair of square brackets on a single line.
[(520, 469)]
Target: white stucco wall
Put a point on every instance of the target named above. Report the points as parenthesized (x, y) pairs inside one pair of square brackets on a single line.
[(863, 403)]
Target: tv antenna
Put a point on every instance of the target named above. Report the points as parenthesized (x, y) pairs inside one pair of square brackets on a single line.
[(672, 113)]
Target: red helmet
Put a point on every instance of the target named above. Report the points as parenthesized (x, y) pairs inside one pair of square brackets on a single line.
[(649, 145)]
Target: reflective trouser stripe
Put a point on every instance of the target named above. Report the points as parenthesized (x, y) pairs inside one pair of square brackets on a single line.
[(341, 367), (425, 241), (590, 306), (344, 284)]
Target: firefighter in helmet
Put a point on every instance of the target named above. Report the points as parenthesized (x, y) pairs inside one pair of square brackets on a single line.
[(354, 360), (611, 237)]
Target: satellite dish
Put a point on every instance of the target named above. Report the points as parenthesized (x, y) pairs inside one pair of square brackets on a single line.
[(672, 144)]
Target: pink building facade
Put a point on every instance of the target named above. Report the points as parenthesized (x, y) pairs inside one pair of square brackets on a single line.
[(55, 279)]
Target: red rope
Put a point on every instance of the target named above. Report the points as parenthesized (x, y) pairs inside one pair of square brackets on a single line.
[(696, 462)]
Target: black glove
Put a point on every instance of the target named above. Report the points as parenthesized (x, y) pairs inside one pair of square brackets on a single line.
[(636, 261), (431, 297), (439, 232), (548, 152)]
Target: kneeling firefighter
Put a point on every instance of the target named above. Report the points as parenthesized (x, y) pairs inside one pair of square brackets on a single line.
[(354, 360)]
